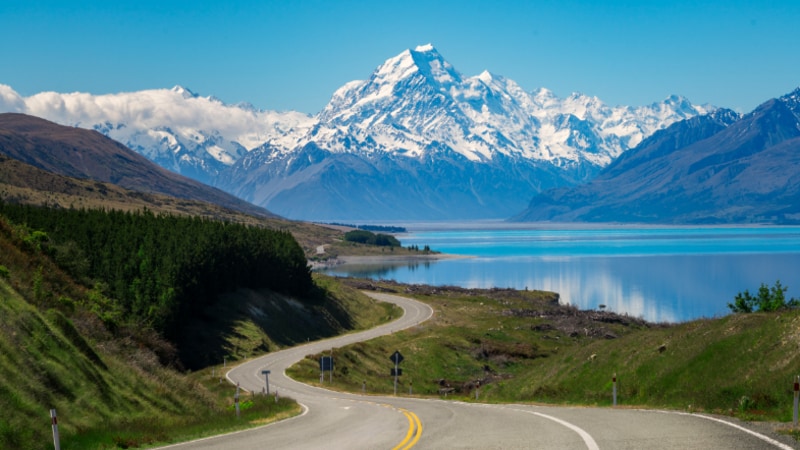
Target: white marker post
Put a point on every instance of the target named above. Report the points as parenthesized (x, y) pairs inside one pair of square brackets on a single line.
[(614, 392), (477, 390), (54, 422), (266, 374), (796, 396)]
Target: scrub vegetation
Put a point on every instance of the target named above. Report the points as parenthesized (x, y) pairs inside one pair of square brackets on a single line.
[(522, 346)]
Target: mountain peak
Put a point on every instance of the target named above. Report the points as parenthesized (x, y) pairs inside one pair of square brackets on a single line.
[(183, 92), (792, 100)]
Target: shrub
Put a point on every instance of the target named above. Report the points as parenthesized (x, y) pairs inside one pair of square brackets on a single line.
[(767, 299)]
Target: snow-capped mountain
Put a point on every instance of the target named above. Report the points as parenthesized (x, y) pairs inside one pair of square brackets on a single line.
[(417, 139), (717, 168), (176, 128), (417, 98)]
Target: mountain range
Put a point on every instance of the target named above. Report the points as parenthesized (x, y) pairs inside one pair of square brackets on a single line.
[(416, 140), (716, 168), (88, 155)]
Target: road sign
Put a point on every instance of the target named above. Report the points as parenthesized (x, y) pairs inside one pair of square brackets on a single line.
[(396, 357), (326, 363)]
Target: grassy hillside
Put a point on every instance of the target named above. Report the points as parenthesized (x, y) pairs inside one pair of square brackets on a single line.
[(66, 344), (522, 347), (250, 322)]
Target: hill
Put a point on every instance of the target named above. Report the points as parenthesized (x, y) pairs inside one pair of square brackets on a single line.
[(73, 339), (715, 169), (36, 184), (86, 154), (522, 346)]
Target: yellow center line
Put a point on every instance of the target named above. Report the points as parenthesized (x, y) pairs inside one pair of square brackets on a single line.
[(418, 433), (414, 430)]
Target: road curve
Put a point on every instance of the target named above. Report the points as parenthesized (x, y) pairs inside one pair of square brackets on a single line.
[(341, 420)]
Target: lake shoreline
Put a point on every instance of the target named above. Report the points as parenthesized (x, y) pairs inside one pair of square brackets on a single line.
[(659, 274), (378, 259)]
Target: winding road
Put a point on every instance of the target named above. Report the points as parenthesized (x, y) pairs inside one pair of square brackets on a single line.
[(348, 421)]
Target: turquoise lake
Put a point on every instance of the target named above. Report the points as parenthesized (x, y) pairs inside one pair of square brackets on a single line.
[(663, 274)]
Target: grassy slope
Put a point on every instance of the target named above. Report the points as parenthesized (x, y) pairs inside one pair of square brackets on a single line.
[(739, 364), (46, 363), (247, 323), (109, 387)]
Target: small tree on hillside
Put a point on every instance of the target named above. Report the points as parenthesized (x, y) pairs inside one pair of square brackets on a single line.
[(767, 299)]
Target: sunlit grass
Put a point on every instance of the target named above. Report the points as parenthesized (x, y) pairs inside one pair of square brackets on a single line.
[(741, 365)]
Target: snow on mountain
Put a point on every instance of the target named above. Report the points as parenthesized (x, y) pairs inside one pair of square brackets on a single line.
[(417, 98), (176, 128), (413, 112)]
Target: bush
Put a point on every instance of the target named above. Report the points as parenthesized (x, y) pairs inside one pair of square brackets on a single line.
[(767, 299)]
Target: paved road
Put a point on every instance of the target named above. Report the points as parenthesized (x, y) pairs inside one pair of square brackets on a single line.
[(347, 421)]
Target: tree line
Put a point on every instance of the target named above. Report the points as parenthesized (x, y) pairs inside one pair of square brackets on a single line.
[(155, 268), (370, 238)]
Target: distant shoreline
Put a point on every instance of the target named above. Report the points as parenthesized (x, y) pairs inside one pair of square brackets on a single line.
[(376, 259)]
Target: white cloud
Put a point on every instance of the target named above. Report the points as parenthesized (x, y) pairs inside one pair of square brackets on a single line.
[(10, 101)]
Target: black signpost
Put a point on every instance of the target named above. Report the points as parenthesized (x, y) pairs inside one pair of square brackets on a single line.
[(396, 358)]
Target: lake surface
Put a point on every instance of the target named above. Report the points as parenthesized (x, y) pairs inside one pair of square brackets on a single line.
[(669, 274)]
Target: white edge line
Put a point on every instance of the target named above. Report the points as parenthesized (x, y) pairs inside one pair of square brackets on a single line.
[(587, 438), (739, 427), (248, 430), (308, 344)]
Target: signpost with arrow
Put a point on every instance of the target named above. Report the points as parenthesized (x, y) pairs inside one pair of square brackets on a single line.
[(396, 358)]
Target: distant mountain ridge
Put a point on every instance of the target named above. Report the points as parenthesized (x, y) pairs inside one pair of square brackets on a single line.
[(79, 153), (717, 168), (416, 140)]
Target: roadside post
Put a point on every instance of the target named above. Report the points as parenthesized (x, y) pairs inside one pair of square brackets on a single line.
[(410, 388), (614, 388), (477, 389), (236, 400), (266, 374), (325, 363), (54, 422), (396, 358), (796, 396)]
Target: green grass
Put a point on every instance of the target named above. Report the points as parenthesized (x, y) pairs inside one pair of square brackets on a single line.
[(741, 365), (111, 391)]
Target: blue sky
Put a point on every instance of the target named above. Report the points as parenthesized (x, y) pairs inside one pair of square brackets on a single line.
[(292, 55)]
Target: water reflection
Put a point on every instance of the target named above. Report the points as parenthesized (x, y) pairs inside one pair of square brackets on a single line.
[(658, 288)]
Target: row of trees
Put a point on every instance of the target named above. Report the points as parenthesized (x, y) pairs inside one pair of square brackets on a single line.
[(368, 237), (158, 267)]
